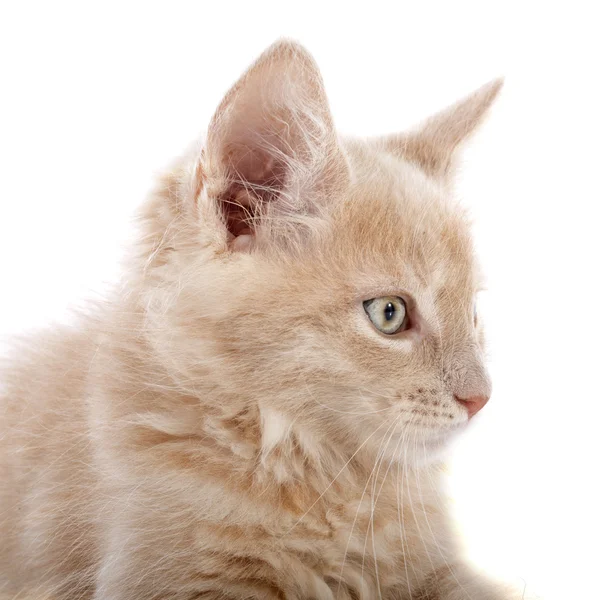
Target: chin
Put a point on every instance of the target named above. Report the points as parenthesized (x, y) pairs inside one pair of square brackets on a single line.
[(426, 449), (424, 457)]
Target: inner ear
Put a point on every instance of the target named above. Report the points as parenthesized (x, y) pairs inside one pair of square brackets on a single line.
[(271, 155), (255, 178)]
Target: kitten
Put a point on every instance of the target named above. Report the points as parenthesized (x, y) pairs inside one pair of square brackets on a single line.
[(260, 410)]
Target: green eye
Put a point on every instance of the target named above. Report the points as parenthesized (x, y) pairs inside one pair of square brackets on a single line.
[(388, 314)]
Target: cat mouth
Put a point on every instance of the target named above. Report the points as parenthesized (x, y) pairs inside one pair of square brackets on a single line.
[(442, 439), (431, 449)]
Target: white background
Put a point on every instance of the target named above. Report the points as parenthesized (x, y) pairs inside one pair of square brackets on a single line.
[(96, 99)]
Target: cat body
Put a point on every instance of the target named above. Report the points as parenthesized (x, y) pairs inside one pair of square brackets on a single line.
[(168, 508), (232, 422)]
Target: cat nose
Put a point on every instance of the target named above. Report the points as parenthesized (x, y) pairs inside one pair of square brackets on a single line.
[(473, 404)]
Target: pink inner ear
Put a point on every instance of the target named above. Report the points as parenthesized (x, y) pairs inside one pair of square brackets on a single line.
[(255, 178)]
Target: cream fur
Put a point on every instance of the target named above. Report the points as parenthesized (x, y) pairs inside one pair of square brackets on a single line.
[(228, 424)]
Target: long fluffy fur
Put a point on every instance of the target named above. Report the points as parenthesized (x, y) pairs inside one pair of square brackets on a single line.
[(228, 424)]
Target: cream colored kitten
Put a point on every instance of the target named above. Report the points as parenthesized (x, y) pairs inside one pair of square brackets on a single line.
[(260, 409)]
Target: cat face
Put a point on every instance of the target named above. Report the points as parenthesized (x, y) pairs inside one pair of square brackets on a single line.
[(327, 283)]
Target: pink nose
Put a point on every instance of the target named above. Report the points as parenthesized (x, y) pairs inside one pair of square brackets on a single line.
[(473, 404)]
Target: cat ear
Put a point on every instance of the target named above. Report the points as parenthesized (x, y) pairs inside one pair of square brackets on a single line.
[(271, 153), (434, 144)]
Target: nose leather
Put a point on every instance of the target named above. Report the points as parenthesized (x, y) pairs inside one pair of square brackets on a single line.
[(473, 404)]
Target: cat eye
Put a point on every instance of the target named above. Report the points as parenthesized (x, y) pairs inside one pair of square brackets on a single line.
[(388, 314)]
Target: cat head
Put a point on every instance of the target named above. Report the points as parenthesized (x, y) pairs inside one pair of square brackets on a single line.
[(326, 283)]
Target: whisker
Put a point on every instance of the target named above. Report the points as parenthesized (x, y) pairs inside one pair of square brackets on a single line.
[(334, 479)]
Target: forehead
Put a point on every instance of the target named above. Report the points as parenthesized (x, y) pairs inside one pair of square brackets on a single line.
[(398, 224)]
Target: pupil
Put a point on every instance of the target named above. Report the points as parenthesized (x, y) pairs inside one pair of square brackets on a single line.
[(389, 311)]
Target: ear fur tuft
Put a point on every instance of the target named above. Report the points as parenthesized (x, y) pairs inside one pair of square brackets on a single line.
[(271, 149)]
